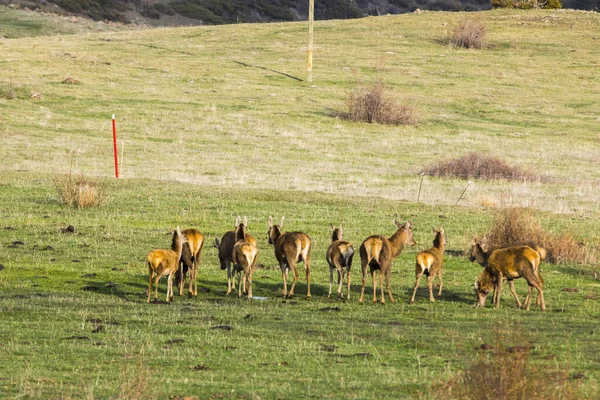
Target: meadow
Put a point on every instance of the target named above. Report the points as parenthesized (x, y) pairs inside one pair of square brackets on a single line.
[(216, 122)]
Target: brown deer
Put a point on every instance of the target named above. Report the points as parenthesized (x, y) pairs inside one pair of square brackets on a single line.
[(225, 249), (290, 249), (244, 258), (377, 252), (165, 262), (431, 262), (339, 257), (541, 250), (510, 262), (190, 257)]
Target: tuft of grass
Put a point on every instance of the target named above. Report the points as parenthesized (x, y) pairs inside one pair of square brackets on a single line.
[(470, 33), (79, 190), (478, 166), (373, 105), (518, 225), (13, 92), (505, 370)]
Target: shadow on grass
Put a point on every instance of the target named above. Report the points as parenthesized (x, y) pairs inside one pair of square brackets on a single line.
[(268, 69)]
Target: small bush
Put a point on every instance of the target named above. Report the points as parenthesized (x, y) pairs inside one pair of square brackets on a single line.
[(518, 225), (478, 166), (13, 92), (469, 33), (79, 190), (527, 4), (372, 104), (503, 370)]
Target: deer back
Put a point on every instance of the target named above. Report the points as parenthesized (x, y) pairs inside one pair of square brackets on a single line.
[(340, 250), (194, 241), (225, 247), (292, 245), (244, 254), (376, 247), (513, 261), (401, 237)]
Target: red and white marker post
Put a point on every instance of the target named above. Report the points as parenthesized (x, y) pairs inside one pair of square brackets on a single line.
[(114, 126)]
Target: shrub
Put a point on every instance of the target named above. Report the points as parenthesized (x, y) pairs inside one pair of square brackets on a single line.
[(478, 166), (518, 225), (503, 370), (79, 191), (372, 104), (527, 4), (470, 33)]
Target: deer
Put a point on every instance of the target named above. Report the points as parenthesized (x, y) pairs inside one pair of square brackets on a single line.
[(165, 263), (244, 258), (190, 258), (431, 262), (290, 249), (339, 257), (225, 249), (535, 246), (377, 252), (510, 262)]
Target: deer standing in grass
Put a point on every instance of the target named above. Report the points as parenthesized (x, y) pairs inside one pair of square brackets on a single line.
[(290, 249), (489, 249), (190, 257), (377, 252), (431, 262), (244, 258), (165, 262), (339, 257), (510, 262), (225, 248)]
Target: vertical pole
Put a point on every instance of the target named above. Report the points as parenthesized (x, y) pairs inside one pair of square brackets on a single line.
[(114, 126), (311, 20), (420, 186)]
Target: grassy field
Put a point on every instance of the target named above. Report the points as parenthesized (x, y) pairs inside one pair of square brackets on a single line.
[(219, 122)]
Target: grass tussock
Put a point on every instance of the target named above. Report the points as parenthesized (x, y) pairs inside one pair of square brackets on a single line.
[(470, 33), (478, 166), (373, 105), (79, 190), (14, 92), (518, 225), (504, 370)]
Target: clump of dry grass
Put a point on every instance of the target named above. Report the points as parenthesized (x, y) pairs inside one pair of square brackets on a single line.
[(373, 104), (478, 166), (79, 190), (470, 33), (518, 225), (504, 370)]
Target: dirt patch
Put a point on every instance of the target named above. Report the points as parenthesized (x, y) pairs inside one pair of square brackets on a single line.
[(224, 327), (327, 309)]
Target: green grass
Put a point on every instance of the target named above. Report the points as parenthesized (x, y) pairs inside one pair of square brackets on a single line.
[(215, 126)]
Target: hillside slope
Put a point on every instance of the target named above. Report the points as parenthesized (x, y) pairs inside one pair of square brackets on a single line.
[(194, 103)]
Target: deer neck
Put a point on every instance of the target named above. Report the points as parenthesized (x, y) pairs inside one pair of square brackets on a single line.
[(177, 246), (397, 240), (437, 244), (240, 234), (480, 255), (275, 233)]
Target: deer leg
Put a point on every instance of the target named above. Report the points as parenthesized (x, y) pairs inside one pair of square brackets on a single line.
[(294, 269), (229, 278), (374, 286), (149, 283), (387, 283), (364, 279), (284, 273), (381, 276), (499, 283), (330, 280), (196, 262), (307, 269), (418, 278), (240, 283), (511, 286), (156, 278), (430, 286), (340, 274), (249, 278), (441, 283), (169, 287), (348, 284)]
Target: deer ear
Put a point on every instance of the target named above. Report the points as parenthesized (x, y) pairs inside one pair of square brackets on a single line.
[(340, 227), (217, 243), (237, 221), (178, 231), (245, 221), (473, 241), (442, 230), (332, 228), (281, 223), (408, 224), (270, 221)]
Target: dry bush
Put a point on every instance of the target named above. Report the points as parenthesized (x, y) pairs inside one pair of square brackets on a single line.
[(372, 104), (504, 370), (478, 166), (518, 225), (79, 190), (470, 33)]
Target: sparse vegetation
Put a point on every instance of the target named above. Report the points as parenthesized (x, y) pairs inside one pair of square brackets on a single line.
[(470, 33), (527, 4), (518, 225), (478, 166), (505, 370), (79, 190), (373, 105), (12, 92)]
